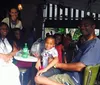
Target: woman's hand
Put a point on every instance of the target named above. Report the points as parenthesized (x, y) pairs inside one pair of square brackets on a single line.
[(6, 57)]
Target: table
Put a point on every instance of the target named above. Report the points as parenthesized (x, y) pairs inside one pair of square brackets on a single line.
[(28, 59)]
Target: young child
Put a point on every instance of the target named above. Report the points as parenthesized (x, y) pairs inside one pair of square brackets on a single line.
[(49, 57)]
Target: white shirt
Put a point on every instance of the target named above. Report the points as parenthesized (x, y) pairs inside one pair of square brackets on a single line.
[(9, 73), (5, 48), (48, 53), (18, 25)]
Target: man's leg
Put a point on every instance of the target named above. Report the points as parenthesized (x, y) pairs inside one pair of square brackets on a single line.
[(51, 72), (41, 80), (59, 79)]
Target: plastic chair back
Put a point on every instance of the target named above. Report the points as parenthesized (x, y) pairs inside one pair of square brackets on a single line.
[(90, 74)]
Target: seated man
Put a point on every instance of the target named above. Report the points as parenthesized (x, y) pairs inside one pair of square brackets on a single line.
[(89, 54), (9, 73)]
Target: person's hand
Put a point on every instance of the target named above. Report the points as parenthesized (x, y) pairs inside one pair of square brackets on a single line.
[(36, 54), (41, 71), (6, 57), (56, 65), (37, 66)]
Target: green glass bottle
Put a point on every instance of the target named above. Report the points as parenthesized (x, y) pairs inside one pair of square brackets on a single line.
[(25, 51)]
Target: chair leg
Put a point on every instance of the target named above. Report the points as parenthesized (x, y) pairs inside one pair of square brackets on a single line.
[(98, 78), (22, 79)]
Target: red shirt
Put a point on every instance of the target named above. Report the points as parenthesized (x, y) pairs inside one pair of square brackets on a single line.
[(59, 49)]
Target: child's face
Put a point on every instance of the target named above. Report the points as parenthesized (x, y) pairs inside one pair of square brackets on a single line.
[(58, 40), (17, 34), (49, 43)]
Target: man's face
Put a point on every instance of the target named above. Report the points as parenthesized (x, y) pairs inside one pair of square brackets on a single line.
[(3, 30), (86, 27)]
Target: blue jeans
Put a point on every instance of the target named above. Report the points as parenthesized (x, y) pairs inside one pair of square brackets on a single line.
[(51, 71)]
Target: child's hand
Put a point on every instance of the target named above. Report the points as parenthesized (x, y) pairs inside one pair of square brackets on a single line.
[(41, 67), (38, 64), (37, 67), (36, 54), (40, 72)]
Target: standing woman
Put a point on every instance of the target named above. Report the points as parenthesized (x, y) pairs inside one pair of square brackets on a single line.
[(12, 20)]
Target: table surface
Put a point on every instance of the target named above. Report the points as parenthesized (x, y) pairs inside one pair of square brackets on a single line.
[(19, 57)]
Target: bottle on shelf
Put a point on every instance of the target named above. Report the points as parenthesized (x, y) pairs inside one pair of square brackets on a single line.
[(25, 51)]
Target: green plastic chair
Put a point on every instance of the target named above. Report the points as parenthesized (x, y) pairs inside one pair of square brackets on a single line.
[(90, 74)]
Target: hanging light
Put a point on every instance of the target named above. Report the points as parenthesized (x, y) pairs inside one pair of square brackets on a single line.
[(20, 6)]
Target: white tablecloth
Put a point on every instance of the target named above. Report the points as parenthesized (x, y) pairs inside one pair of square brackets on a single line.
[(19, 57)]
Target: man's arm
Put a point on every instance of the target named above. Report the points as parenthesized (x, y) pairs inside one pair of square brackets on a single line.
[(71, 66)]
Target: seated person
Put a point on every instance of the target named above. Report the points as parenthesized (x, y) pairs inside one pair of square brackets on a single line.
[(19, 44), (89, 54), (68, 50), (81, 41), (31, 38), (17, 37), (49, 57), (9, 73), (59, 46)]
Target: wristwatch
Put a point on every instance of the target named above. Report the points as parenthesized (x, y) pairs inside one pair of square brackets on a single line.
[(54, 66)]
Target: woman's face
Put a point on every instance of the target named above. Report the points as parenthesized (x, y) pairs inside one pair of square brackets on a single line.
[(3, 30), (13, 14)]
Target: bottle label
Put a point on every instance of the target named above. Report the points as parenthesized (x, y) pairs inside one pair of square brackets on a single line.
[(25, 53)]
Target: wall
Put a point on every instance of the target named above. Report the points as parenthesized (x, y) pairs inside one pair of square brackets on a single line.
[(32, 17)]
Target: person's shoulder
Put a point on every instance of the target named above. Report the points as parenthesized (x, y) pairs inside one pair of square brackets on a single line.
[(97, 40), (59, 46), (20, 21), (5, 19), (95, 43), (54, 52), (53, 49)]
